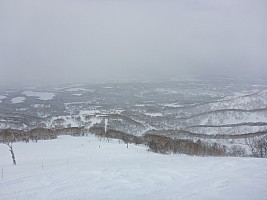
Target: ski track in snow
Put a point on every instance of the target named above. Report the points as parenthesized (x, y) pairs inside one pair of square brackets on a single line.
[(76, 168)]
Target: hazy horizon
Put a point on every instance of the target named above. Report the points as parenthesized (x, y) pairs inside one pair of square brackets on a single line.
[(44, 42)]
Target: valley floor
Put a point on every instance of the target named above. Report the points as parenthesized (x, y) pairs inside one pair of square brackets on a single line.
[(86, 168)]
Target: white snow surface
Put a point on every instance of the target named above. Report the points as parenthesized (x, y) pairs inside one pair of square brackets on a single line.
[(18, 99), (174, 105), (79, 89), (40, 95), (89, 112), (1, 98), (40, 106), (153, 114), (75, 89), (70, 168), (233, 118), (140, 105)]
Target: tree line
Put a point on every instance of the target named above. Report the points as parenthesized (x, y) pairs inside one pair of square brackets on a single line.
[(156, 143)]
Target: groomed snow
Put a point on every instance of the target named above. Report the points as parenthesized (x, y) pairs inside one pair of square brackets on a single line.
[(40, 95), (18, 99), (70, 168)]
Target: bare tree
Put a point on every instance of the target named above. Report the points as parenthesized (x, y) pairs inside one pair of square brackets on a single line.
[(258, 146), (12, 153), (9, 138)]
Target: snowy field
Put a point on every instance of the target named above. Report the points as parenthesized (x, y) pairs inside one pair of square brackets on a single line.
[(18, 99), (40, 95), (1, 98), (85, 168)]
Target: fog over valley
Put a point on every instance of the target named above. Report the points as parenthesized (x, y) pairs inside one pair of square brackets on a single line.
[(122, 40)]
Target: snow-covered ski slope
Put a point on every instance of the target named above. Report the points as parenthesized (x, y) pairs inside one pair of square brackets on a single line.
[(70, 168)]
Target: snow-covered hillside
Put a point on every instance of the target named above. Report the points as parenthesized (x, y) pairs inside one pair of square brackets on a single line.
[(86, 168), (181, 109)]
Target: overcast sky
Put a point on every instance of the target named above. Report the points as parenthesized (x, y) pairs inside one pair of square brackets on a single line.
[(85, 41)]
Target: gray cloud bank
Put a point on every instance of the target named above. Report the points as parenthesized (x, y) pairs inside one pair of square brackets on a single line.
[(78, 40)]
